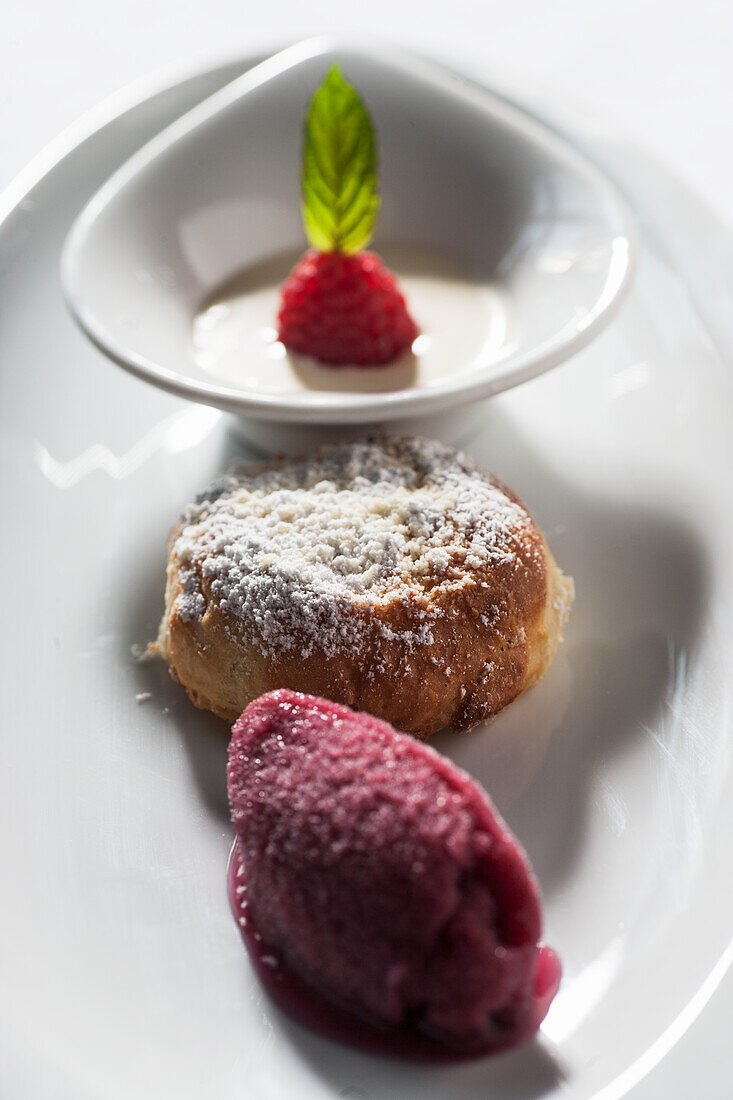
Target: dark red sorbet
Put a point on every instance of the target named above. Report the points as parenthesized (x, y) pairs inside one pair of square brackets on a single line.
[(382, 898)]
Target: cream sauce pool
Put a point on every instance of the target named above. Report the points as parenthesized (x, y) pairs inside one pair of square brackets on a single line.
[(462, 320)]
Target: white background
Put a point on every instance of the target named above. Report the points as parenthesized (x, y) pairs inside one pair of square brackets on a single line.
[(659, 72)]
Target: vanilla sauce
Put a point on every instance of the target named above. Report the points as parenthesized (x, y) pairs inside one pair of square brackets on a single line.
[(462, 320)]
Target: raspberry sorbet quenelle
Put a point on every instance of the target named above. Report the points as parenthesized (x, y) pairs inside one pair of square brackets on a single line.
[(382, 899)]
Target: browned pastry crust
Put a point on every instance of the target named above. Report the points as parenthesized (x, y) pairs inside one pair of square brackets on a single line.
[(446, 645)]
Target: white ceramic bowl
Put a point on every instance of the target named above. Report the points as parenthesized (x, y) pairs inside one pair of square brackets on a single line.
[(461, 170)]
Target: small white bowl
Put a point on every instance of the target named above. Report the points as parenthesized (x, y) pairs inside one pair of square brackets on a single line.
[(461, 170)]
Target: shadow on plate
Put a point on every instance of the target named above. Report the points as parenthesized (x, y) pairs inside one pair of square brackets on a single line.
[(529, 1072), (641, 590)]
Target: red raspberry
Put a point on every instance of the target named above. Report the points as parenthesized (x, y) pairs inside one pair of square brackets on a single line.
[(344, 310)]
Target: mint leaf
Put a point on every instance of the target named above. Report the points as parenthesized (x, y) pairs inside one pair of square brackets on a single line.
[(339, 179)]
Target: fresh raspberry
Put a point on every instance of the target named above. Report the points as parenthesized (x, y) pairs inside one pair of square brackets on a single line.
[(344, 310)]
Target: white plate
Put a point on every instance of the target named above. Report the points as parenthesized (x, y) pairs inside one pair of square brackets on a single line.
[(122, 969)]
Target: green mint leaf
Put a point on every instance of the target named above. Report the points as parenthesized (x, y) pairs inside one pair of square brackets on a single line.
[(339, 180)]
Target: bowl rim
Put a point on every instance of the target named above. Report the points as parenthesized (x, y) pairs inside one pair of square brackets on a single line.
[(336, 406)]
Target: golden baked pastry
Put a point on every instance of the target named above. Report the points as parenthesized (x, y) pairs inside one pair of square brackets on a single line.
[(392, 576)]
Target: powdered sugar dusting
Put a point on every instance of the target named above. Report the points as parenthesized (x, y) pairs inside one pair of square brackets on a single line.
[(296, 548)]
